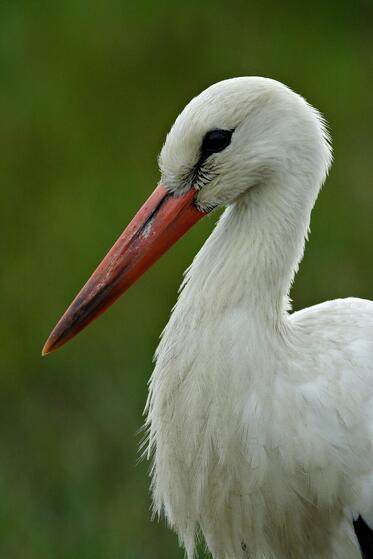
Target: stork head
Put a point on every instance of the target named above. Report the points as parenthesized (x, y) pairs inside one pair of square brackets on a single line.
[(239, 133), (236, 135)]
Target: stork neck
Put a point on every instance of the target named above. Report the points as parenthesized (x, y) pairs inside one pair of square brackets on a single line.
[(252, 255)]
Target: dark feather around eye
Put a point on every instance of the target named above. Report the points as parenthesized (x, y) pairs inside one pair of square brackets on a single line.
[(215, 141)]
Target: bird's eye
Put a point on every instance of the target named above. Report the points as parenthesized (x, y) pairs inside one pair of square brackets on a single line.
[(215, 141)]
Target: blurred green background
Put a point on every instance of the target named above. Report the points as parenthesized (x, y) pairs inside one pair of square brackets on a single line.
[(88, 91)]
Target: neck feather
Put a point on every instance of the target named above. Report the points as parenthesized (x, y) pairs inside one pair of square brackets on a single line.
[(251, 257)]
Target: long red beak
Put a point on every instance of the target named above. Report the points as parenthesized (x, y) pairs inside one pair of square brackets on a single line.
[(162, 220)]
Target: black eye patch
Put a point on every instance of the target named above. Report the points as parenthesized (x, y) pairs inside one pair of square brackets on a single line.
[(215, 141)]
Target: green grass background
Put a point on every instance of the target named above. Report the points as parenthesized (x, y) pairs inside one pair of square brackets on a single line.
[(88, 90)]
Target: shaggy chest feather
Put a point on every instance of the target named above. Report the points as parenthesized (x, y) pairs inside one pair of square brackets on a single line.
[(244, 416), (248, 449)]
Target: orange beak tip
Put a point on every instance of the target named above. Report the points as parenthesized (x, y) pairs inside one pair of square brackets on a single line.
[(46, 349), (52, 344)]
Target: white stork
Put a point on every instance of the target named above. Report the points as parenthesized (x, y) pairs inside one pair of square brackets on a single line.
[(259, 420)]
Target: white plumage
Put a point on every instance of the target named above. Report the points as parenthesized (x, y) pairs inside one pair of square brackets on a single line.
[(259, 420)]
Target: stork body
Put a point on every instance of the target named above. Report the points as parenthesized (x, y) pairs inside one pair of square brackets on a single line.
[(259, 420)]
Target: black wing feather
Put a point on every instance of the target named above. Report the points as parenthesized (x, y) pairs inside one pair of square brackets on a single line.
[(365, 537)]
